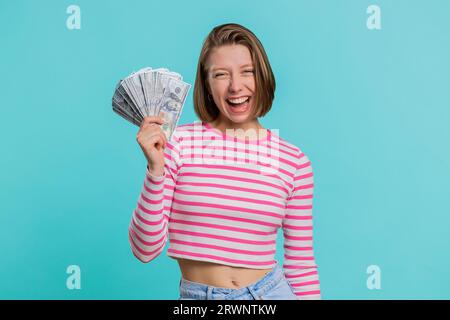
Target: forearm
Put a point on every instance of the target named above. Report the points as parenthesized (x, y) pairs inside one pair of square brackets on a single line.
[(148, 226)]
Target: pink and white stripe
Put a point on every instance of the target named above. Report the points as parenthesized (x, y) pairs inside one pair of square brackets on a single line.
[(228, 212)]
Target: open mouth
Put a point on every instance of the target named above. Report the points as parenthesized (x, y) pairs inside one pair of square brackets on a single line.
[(239, 104)]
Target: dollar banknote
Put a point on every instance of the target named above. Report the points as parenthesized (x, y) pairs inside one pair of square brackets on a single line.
[(150, 92)]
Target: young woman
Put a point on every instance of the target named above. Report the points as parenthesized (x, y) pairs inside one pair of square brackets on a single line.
[(219, 192)]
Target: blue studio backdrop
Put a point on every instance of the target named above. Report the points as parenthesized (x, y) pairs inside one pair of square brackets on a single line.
[(362, 89)]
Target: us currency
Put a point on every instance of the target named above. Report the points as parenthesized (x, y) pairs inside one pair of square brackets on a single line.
[(127, 116), (148, 92), (124, 101), (136, 92), (146, 84), (172, 103)]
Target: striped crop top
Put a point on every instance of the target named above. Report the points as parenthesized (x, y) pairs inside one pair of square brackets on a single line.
[(222, 199)]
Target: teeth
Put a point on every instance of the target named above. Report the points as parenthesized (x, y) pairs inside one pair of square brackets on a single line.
[(240, 100)]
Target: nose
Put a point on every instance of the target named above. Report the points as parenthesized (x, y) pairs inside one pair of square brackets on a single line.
[(235, 84)]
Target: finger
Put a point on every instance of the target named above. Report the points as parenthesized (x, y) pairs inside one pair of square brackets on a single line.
[(153, 119), (159, 144), (164, 139), (160, 137), (149, 129), (156, 137), (155, 142), (156, 128)]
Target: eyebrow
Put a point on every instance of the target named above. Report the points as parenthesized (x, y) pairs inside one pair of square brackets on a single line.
[(243, 66)]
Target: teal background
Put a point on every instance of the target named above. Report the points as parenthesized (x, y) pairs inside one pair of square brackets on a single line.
[(369, 107)]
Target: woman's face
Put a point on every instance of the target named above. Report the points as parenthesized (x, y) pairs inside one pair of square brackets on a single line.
[(231, 81)]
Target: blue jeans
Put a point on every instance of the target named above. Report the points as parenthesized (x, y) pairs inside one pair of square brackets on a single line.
[(273, 286)]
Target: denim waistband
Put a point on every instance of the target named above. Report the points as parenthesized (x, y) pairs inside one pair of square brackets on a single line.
[(267, 282)]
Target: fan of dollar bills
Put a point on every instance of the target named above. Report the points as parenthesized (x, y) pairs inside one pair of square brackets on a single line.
[(151, 92)]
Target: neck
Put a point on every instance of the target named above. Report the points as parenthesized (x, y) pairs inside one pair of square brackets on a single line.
[(224, 124)]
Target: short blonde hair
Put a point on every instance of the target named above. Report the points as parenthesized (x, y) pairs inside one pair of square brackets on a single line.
[(228, 34)]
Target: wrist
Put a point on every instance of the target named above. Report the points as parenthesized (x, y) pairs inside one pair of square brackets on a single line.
[(155, 172)]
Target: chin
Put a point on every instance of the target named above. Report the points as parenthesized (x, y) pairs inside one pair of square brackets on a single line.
[(238, 118)]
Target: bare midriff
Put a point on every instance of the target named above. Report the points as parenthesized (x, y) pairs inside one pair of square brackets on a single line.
[(219, 275)]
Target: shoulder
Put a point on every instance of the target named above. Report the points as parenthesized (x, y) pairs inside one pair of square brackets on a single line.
[(293, 151), (184, 131)]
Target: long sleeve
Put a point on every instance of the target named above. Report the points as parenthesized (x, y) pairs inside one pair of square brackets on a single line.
[(148, 229), (299, 264)]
